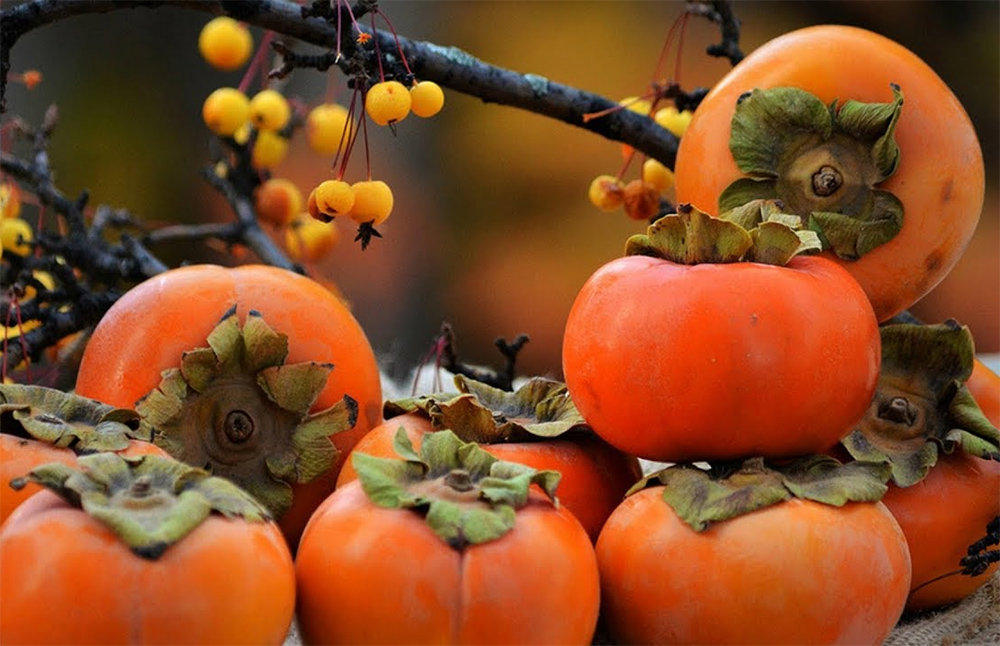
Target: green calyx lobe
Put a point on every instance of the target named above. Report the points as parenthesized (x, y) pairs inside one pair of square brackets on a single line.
[(65, 420), (237, 409), (466, 495), (922, 406), (702, 497), (822, 162), (756, 232), (150, 502), (539, 409)]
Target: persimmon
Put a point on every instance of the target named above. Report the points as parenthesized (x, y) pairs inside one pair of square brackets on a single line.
[(40, 425), (754, 556), (173, 347), (694, 347), (449, 546), (926, 425), (984, 384), (537, 425), (904, 169), (159, 553)]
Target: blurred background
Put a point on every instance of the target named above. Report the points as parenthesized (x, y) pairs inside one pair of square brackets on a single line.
[(492, 230)]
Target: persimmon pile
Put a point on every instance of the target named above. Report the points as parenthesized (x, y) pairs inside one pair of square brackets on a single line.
[(227, 462)]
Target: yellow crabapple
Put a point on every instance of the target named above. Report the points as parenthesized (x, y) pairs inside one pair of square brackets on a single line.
[(327, 127), (606, 192), (372, 202), (269, 110), (225, 43), (387, 102), (657, 175), (308, 240), (426, 99), (268, 150), (334, 197), (225, 110), (277, 201)]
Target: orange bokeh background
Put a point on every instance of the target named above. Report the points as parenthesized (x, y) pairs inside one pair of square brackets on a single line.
[(492, 230)]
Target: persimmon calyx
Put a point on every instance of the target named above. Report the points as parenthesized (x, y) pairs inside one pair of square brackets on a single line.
[(150, 502), (823, 162), (702, 497), (539, 409), (756, 232), (65, 420), (237, 407), (466, 495), (922, 405)]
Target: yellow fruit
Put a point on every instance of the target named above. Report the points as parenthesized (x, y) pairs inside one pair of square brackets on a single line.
[(334, 197), (325, 128), (372, 202), (657, 175), (426, 99), (268, 150), (642, 201), (225, 110), (225, 43), (308, 239), (387, 102), (269, 110), (637, 105), (15, 236), (606, 192), (674, 121), (277, 201)]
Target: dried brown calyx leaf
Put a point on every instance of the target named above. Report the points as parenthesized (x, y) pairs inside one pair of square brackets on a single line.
[(65, 420), (539, 409)]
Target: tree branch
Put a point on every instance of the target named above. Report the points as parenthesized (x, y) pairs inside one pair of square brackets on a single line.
[(450, 67)]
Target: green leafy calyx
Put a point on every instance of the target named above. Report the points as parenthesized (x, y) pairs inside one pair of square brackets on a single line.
[(822, 162), (756, 232), (922, 406), (466, 495), (150, 502), (237, 407), (702, 497)]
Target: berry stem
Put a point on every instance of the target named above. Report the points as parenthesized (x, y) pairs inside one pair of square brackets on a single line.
[(395, 36), (257, 64), (378, 56)]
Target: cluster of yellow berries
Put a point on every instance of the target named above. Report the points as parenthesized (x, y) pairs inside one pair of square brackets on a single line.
[(308, 226), (640, 197)]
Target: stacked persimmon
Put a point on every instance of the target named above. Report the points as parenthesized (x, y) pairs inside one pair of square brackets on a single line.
[(751, 340)]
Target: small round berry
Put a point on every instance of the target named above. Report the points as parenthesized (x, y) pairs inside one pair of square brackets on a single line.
[(225, 43), (16, 236), (657, 175), (426, 99), (307, 239), (372, 202), (642, 201), (43, 277), (10, 200), (606, 192), (334, 197), (269, 110), (637, 105), (674, 121), (225, 110), (268, 150), (278, 200), (387, 102), (327, 128)]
